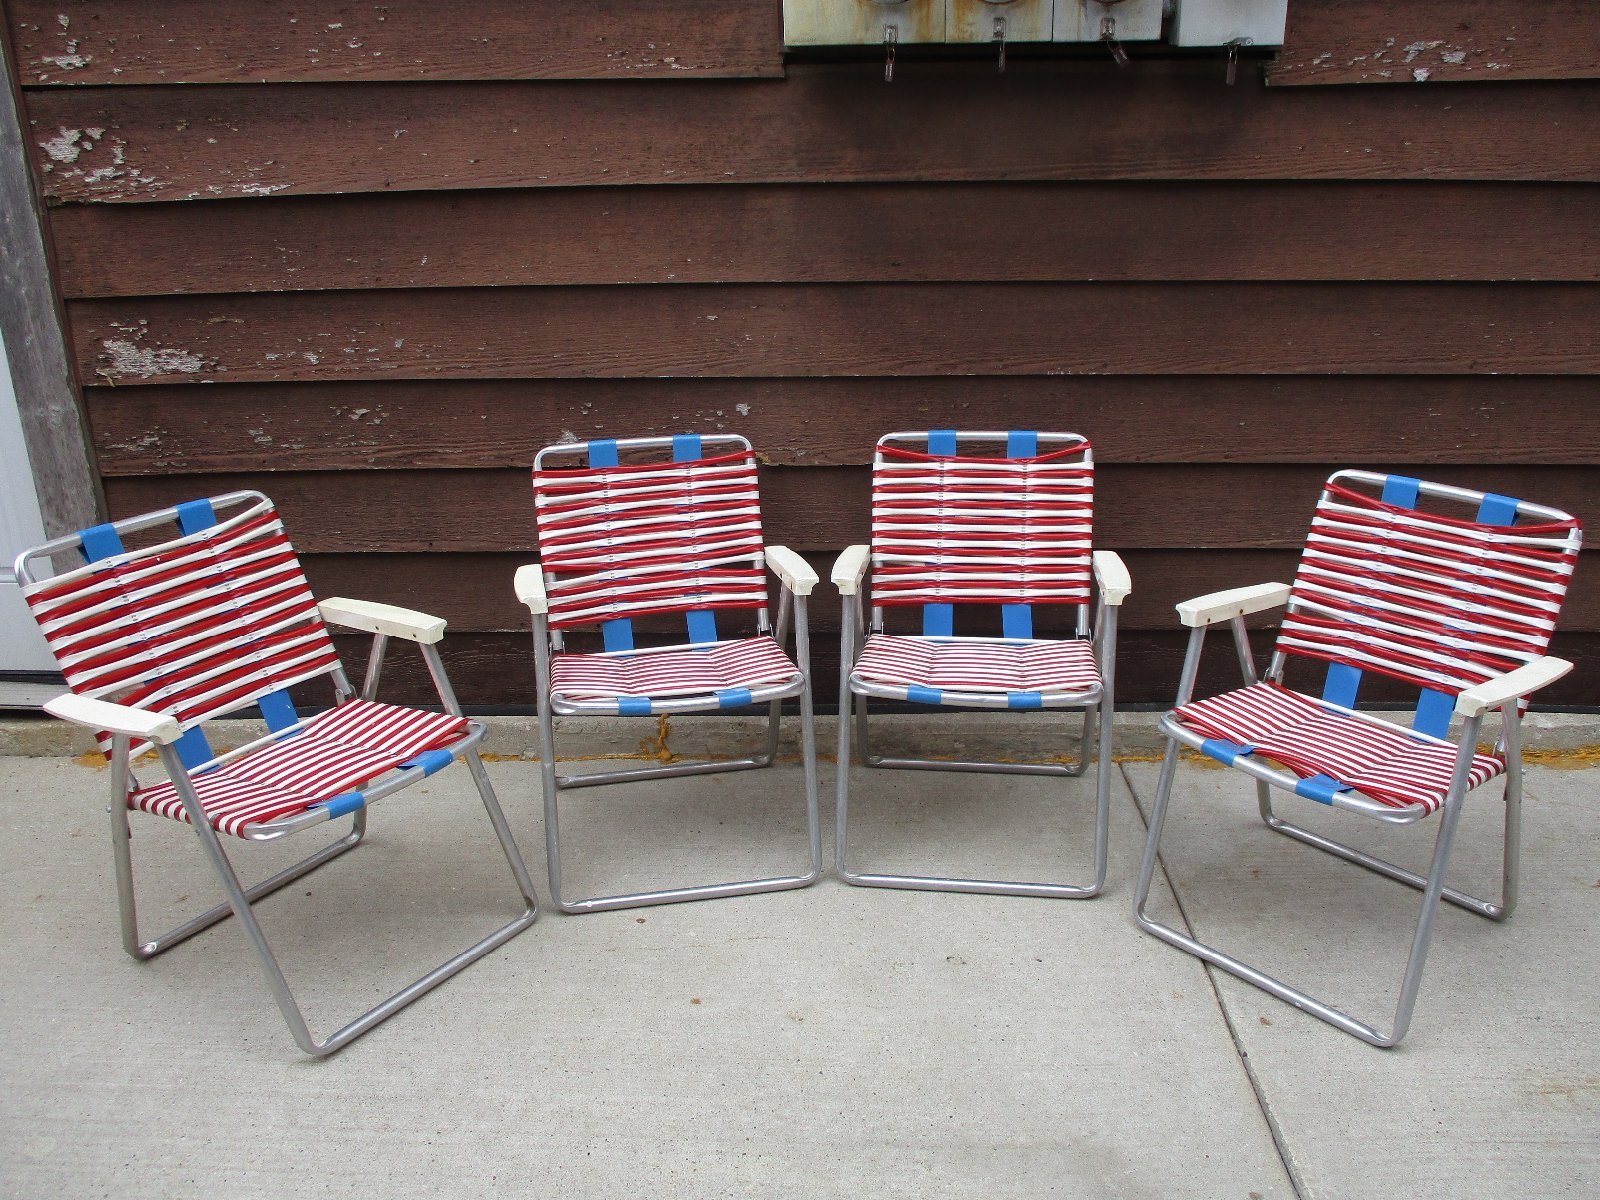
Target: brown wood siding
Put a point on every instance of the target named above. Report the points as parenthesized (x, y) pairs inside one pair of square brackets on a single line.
[(1424, 41), (387, 291)]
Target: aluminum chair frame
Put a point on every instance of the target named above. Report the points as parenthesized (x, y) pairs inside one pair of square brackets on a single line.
[(797, 580), (1507, 693), (383, 622), (849, 573)]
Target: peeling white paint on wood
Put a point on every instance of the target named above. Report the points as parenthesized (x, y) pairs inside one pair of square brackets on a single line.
[(133, 361)]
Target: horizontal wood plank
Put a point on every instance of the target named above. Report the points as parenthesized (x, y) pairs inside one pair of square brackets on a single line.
[(472, 590), (67, 42), (836, 123), (1423, 41), (494, 670), (763, 331), (163, 430), (848, 233), (1138, 506)]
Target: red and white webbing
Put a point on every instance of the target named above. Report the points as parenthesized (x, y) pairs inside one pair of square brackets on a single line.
[(982, 530), (629, 540), (194, 627), (679, 671), (1441, 603), (979, 664), (334, 752)]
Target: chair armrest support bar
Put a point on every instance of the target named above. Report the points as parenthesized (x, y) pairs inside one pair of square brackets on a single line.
[(158, 728), (1512, 685), (1235, 602), (1112, 577), (849, 569), (388, 620), (795, 572), (529, 585)]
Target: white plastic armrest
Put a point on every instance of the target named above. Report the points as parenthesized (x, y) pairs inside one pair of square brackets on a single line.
[(849, 568), (795, 572), (529, 584), (115, 718), (1112, 576), (388, 619), (1235, 602), (1502, 689)]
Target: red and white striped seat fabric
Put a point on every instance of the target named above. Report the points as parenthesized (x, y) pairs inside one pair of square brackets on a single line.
[(970, 530), (335, 752), (195, 627), (678, 671), (984, 665), (1390, 764), (624, 541)]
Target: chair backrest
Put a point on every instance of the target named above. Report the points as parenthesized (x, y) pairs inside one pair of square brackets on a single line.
[(1012, 527), (198, 625), (1443, 602), (649, 525)]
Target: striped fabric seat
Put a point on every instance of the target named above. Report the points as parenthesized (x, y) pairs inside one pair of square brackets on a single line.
[(969, 530), (623, 541), (984, 665), (1392, 765), (195, 627), (678, 671), (335, 752), (1444, 604)]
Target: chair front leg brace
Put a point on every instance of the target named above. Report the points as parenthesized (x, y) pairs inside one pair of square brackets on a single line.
[(1104, 710), (555, 783), (1433, 887), (240, 898)]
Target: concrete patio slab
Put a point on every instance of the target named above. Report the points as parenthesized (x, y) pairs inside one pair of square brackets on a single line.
[(825, 1042), (1496, 1090)]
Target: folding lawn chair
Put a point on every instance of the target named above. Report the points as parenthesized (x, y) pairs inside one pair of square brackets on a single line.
[(1011, 528), (650, 526), (1462, 608), (156, 640)]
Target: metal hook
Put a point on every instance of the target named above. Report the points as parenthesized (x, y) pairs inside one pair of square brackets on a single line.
[(1108, 35), (891, 36), (1233, 57), (1000, 36)]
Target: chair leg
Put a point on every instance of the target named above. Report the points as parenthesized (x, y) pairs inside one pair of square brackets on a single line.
[(990, 887), (554, 784), (1433, 888), (1495, 911), (239, 902)]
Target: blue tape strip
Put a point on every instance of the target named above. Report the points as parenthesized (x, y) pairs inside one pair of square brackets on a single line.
[(1222, 750), (686, 447), (1016, 620), (618, 634), (344, 802), (603, 452), (733, 697), (430, 761), (633, 706), (702, 624), (923, 695), (1497, 510), (1024, 700), (193, 749), (277, 710), (938, 620), (1022, 443), (99, 541), (1321, 788), (1434, 710), (1342, 684), (1401, 491), (195, 515), (942, 442)]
